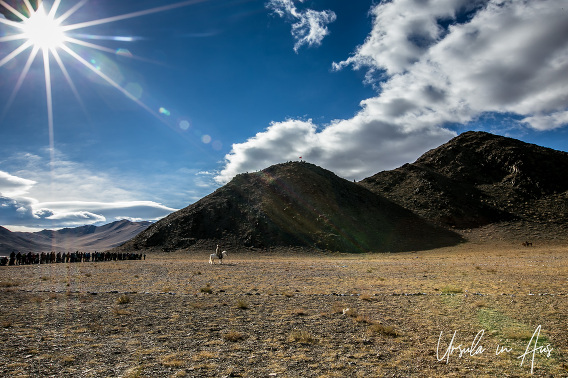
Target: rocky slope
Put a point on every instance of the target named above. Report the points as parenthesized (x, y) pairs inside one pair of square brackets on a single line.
[(294, 204), (479, 178)]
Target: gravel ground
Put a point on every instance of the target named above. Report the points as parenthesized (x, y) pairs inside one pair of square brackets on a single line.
[(290, 315)]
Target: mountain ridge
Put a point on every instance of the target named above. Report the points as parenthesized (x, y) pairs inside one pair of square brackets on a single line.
[(84, 238), (478, 178)]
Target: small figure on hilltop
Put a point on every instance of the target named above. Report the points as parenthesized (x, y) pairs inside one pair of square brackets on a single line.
[(217, 255)]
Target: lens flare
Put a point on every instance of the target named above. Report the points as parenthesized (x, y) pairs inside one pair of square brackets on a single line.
[(43, 30)]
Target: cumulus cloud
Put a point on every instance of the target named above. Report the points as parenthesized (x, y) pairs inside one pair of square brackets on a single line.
[(55, 196), (434, 63), (309, 27), (504, 57)]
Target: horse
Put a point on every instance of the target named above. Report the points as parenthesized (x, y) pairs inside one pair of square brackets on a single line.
[(217, 255)]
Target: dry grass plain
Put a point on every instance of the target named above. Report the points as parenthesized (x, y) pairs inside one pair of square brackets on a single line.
[(291, 314)]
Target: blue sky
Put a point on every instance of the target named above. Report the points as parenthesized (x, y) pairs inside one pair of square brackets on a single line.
[(178, 99)]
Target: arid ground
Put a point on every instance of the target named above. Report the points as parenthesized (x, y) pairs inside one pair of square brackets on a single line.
[(292, 314)]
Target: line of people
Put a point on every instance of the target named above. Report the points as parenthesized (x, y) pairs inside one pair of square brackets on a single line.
[(69, 257)]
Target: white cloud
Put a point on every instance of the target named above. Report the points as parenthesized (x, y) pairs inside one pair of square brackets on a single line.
[(12, 185), (309, 27), (509, 57), (55, 198), (440, 62), (548, 122), (354, 148), (403, 32)]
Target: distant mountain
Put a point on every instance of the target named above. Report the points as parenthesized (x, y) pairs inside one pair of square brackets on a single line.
[(479, 178), (85, 238), (10, 241), (294, 204)]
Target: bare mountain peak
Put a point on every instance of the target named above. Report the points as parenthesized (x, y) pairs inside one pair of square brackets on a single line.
[(294, 204), (479, 178)]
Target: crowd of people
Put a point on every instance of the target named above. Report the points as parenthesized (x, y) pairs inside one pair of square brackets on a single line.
[(18, 258)]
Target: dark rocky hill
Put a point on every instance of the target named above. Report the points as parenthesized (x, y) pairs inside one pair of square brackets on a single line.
[(479, 178), (84, 238), (294, 204)]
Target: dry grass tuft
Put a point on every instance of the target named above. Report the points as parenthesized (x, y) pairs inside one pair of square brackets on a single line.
[(517, 333), (123, 299), (207, 289), (363, 319), (6, 324), (351, 312), (120, 311), (302, 337), (234, 336), (242, 304), (384, 330), (299, 312), (9, 283), (450, 289), (173, 360), (67, 360)]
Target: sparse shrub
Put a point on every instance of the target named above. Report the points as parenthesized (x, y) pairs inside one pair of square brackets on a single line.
[(302, 337), (234, 336), (173, 360), (383, 330), (135, 372), (242, 304), (300, 312), (123, 299), (363, 319), (9, 283), (67, 360), (451, 290), (351, 312), (517, 333), (339, 308), (481, 304), (207, 289), (6, 323), (120, 311)]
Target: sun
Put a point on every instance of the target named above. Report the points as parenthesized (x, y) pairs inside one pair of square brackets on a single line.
[(51, 37), (43, 30)]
